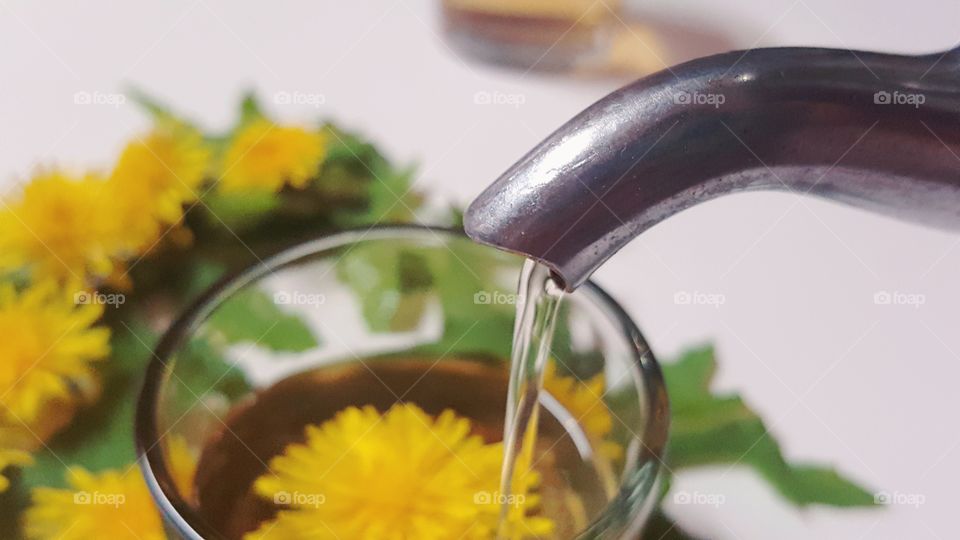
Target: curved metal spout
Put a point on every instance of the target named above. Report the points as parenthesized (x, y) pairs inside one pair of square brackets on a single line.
[(877, 131)]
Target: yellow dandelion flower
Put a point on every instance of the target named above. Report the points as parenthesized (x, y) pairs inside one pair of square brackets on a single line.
[(584, 400), (109, 504), (16, 458), (49, 344), (401, 475), (60, 226), (264, 156), (154, 177)]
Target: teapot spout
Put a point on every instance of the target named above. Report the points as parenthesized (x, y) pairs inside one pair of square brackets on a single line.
[(874, 130)]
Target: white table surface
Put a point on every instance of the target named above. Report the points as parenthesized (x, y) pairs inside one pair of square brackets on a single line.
[(840, 379)]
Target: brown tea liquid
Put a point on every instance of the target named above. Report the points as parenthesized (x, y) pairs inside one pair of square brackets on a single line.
[(574, 488)]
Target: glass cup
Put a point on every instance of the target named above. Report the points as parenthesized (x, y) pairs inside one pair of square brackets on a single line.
[(376, 317)]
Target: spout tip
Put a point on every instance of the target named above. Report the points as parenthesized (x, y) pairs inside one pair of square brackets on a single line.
[(483, 222), (485, 225)]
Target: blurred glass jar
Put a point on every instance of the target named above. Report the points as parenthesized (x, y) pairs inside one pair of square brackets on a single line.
[(547, 35), (580, 37)]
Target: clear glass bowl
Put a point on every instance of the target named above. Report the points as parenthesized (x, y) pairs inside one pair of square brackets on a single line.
[(372, 303)]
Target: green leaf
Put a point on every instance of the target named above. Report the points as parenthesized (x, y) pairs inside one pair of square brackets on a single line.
[(201, 368), (822, 485), (240, 211), (394, 282), (390, 281), (157, 110), (200, 276), (250, 109), (252, 316), (487, 336), (722, 430), (367, 188), (462, 271)]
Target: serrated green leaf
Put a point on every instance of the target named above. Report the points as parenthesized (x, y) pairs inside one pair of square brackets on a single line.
[(690, 377), (824, 485), (722, 430), (251, 316)]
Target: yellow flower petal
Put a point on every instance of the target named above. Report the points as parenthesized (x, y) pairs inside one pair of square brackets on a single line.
[(49, 344), (60, 227), (584, 400), (110, 504), (153, 179), (265, 156), (400, 475)]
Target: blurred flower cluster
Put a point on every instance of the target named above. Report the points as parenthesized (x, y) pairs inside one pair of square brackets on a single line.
[(178, 208)]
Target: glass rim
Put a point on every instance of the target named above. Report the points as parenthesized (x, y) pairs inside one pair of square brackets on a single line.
[(147, 436)]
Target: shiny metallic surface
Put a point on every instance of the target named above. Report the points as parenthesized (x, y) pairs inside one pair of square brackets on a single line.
[(877, 131)]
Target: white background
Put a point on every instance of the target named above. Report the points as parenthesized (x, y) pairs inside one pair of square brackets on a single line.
[(840, 379)]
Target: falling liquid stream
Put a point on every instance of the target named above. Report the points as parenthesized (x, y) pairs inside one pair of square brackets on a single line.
[(538, 302)]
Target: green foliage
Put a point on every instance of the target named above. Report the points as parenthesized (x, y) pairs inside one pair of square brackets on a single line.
[(252, 316), (241, 211), (389, 282), (201, 369), (250, 110), (722, 430), (362, 186), (394, 283)]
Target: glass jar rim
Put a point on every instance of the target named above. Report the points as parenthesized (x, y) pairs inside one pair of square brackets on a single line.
[(181, 515)]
